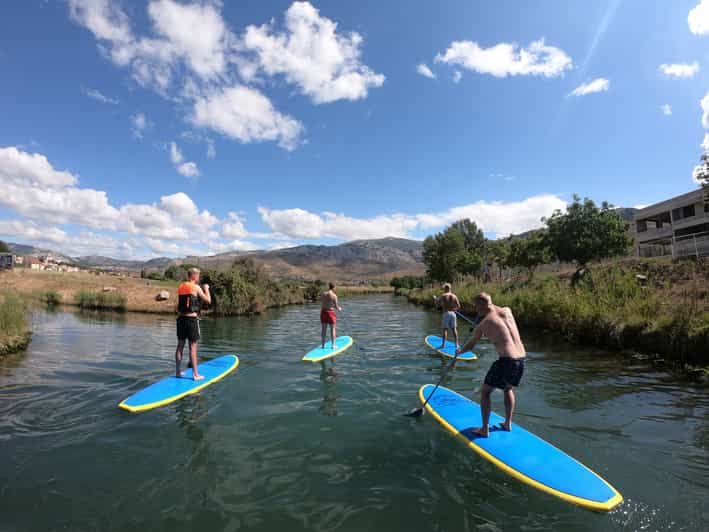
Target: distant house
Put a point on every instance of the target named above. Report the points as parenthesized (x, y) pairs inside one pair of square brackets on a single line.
[(678, 227), (7, 261)]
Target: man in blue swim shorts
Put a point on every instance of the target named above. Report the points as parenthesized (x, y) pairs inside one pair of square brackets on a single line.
[(499, 326)]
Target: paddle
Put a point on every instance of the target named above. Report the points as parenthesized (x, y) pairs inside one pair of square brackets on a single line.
[(417, 412)]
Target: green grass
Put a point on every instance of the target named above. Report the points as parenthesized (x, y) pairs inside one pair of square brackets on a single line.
[(609, 308), (50, 297), (13, 323), (89, 300)]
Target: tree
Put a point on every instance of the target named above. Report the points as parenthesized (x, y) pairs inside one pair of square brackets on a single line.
[(457, 250), (529, 253), (3, 247), (701, 172), (586, 232)]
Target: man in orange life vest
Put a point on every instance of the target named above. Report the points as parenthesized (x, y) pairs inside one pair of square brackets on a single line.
[(190, 296)]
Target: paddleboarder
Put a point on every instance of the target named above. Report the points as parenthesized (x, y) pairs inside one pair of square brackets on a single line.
[(189, 303), (328, 313), (449, 305), (499, 326)]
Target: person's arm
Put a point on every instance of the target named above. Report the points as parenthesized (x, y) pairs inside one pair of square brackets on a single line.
[(477, 334), (456, 304), (337, 303), (204, 295)]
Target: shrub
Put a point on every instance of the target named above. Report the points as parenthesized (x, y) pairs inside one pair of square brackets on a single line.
[(13, 314), (89, 300), (50, 297)]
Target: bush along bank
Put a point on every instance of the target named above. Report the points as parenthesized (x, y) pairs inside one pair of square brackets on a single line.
[(89, 300), (613, 307), (15, 334)]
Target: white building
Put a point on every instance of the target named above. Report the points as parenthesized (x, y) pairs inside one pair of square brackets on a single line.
[(678, 227)]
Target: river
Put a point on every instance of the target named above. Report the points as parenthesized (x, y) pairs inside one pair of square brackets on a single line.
[(279, 446)]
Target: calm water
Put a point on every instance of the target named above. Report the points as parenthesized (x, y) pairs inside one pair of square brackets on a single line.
[(278, 446)]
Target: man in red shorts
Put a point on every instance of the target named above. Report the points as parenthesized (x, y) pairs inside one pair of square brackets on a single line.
[(328, 314)]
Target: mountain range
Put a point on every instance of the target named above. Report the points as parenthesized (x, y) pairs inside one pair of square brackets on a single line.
[(352, 261)]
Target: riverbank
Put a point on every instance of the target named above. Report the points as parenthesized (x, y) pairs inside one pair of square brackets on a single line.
[(654, 307), (14, 329), (253, 295)]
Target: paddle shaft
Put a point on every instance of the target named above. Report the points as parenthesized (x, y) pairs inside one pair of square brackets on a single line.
[(445, 374)]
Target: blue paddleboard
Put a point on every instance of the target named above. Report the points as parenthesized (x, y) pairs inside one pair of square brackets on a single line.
[(171, 389), (434, 342), (342, 344), (520, 453)]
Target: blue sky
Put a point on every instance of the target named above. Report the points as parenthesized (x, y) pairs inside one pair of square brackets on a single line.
[(137, 129)]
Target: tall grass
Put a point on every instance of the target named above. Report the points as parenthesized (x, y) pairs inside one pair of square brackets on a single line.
[(89, 300), (13, 315), (50, 297), (608, 308)]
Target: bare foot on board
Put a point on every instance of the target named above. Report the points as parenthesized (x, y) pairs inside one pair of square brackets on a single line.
[(482, 432), (197, 377)]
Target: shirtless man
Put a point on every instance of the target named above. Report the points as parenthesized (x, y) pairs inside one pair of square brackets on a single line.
[(328, 314), (450, 305), (189, 304), (499, 326)]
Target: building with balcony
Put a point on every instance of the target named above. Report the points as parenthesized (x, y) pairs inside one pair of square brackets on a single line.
[(678, 227)]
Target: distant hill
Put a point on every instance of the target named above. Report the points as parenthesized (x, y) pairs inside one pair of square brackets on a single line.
[(98, 261), (31, 251), (359, 260), (352, 261)]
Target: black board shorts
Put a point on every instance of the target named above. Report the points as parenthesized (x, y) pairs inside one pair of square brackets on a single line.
[(504, 372), (188, 328)]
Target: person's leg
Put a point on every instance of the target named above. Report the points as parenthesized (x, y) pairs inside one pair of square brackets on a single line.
[(455, 333), (485, 407), (509, 407), (193, 358), (178, 357), (333, 334), (322, 335), (444, 337)]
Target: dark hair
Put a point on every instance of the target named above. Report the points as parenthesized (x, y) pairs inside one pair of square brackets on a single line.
[(331, 285)]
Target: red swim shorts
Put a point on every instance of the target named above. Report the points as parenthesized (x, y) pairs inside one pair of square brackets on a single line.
[(328, 316)]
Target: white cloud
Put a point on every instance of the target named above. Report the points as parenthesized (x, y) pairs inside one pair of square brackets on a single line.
[(33, 188), (175, 154), (457, 75), (597, 85), (140, 123), (324, 64), (28, 230), (679, 70), (698, 18), (667, 109), (98, 96), (423, 69), (508, 59), (234, 227), (705, 110), (188, 169), (246, 115), (495, 217), (705, 143)]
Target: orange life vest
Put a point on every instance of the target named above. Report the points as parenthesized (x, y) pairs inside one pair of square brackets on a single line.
[(187, 302)]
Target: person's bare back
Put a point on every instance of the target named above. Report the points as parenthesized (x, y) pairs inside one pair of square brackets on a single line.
[(329, 300), (500, 327), (449, 302)]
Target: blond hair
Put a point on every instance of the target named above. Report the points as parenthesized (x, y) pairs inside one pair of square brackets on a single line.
[(192, 272), (447, 287), (483, 297)]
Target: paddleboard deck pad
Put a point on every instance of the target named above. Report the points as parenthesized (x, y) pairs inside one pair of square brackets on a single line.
[(520, 453), (171, 388), (448, 351), (342, 344)]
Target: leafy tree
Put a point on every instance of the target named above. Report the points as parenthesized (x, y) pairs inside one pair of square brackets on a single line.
[(701, 174), (407, 281), (458, 250), (529, 253), (3, 247), (586, 232)]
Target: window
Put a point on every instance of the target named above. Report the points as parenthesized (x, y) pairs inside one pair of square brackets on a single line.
[(688, 211)]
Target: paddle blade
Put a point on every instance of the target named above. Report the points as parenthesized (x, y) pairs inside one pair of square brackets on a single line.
[(415, 412)]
